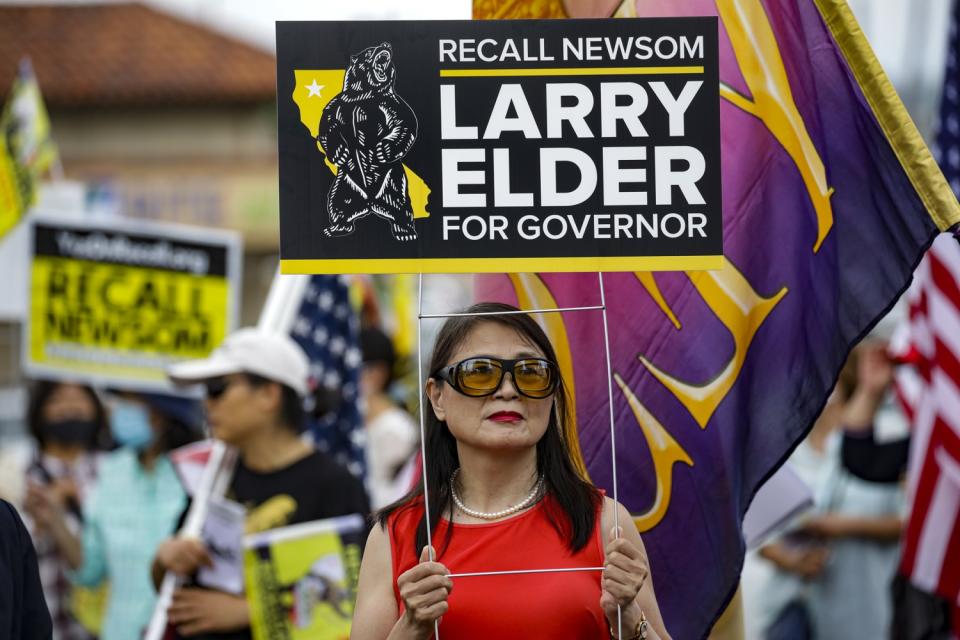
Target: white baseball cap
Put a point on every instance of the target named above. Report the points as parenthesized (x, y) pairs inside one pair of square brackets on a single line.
[(271, 355)]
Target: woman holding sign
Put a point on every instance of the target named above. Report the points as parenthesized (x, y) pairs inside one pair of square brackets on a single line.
[(503, 496)]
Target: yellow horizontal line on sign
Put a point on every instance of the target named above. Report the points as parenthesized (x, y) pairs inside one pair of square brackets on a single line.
[(568, 71), (503, 265)]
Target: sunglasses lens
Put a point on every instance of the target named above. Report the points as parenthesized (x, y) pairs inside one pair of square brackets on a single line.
[(479, 376), (216, 387), (535, 378)]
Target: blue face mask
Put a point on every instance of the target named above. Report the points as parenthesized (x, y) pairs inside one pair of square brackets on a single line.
[(130, 425)]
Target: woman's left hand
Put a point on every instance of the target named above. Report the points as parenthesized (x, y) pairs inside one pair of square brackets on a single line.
[(624, 573)]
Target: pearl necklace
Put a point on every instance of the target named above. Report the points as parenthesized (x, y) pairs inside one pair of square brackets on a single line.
[(532, 497)]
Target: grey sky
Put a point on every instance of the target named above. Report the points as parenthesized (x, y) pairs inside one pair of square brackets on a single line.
[(253, 20)]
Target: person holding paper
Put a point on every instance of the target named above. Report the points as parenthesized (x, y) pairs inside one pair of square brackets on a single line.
[(255, 382), (503, 495), (828, 573), (69, 424), (133, 506)]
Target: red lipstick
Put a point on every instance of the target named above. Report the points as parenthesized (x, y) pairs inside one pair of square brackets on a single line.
[(506, 416)]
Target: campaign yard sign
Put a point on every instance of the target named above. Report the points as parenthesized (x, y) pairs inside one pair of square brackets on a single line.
[(301, 580), (493, 146), (116, 302)]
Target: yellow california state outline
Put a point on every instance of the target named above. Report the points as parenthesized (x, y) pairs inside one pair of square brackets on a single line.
[(314, 89)]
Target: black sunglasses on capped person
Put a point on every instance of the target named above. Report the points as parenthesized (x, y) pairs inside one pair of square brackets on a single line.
[(480, 376), (216, 387)]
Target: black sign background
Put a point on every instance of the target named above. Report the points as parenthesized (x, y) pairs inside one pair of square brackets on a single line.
[(45, 244), (305, 179)]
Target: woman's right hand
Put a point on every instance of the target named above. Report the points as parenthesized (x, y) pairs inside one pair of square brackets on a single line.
[(424, 590), (182, 556)]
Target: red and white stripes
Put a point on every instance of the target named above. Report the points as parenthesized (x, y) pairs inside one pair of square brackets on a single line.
[(930, 393)]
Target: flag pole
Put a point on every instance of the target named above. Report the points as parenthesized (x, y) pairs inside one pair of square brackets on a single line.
[(213, 482), (283, 302), (56, 169)]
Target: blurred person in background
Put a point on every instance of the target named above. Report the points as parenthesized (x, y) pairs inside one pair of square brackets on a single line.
[(134, 505), (69, 425), (917, 614), (256, 382), (829, 575), (392, 434)]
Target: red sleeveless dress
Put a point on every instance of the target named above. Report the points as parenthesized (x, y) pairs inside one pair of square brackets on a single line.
[(539, 605)]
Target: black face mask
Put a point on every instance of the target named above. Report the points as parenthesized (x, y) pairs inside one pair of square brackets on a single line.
[(69, 431)]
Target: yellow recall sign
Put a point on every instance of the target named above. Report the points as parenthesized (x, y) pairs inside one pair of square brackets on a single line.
[(122, 321), (302, 588)]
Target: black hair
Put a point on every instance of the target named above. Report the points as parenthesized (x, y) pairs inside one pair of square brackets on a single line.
[(577, 499), (377, 347), (40, 393), (176, 433), (292, 414)]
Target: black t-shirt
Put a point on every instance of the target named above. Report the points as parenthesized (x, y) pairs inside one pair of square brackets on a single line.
[(23, 609), (315, 487)]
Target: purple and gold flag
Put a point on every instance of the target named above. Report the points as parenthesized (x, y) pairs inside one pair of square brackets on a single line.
[(829, 199)]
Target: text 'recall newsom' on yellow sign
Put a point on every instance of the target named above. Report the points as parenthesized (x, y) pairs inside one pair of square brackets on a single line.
[(116, 303)]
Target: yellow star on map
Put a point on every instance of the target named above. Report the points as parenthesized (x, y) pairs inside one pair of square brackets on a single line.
[(311, 112), (314, 88)]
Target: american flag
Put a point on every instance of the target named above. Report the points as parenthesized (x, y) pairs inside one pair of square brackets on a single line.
[(930, 391), (327, 328)]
